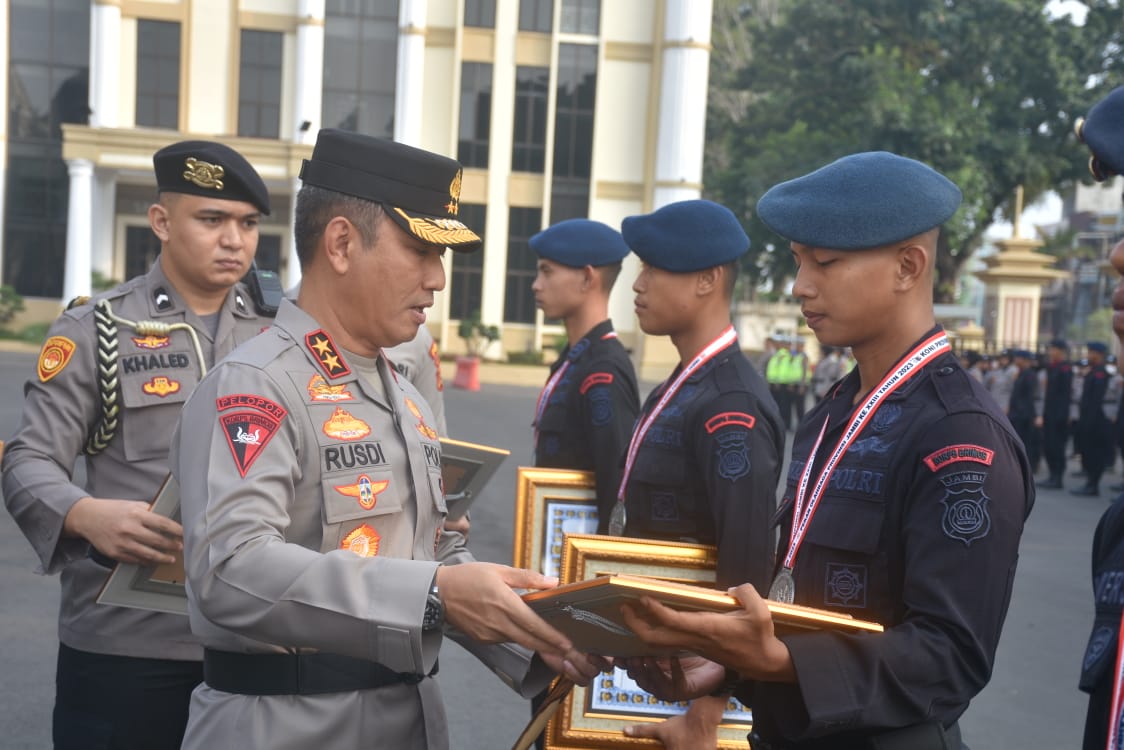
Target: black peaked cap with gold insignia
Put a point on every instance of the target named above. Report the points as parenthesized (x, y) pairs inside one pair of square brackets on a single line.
[(209, 169), (420, 190)]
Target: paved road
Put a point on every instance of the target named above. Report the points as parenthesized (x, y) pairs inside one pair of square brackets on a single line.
[(1032, 700)]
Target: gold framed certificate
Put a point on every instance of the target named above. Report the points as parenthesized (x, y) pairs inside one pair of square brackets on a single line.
[(549, 504)]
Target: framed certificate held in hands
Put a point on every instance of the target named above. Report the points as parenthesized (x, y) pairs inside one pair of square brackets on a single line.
[(465, 469)]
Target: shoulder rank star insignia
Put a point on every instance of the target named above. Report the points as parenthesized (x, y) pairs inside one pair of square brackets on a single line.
[(365, 490), (322, 347), (204, 175)]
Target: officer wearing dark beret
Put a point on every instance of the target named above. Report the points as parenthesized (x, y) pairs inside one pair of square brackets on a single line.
[(904, 502), (1102, 130), (112, 379), (585, 412), (1093, 433), (320, 578), (705, 457), (584, 415), (1056, 402), (1025, 405)]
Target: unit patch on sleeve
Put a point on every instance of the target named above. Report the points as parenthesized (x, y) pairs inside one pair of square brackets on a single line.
[(324, 349), (250, 428), (952, 454), (54, 356), (597, 378), (966, 517), (727, 418)]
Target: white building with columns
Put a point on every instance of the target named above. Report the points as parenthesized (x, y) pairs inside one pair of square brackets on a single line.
[(557, 109)]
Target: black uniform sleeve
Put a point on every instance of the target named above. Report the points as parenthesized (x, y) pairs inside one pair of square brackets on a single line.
[(737, 451), (954, 522)]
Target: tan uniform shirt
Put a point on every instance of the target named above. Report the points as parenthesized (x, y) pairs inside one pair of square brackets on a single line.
[(156, 375), (313, 510)]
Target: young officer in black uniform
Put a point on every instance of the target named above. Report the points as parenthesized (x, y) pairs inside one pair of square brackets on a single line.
[(585, 413), (705, 458), (1022, 409), (905, 501), (1055, 411), (1103, 132)]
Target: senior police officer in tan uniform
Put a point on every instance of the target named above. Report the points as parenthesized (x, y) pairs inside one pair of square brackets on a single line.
[(112, 377), (319, 577)]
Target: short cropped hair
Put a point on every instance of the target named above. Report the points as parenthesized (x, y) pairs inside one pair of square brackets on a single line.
[(316, 206)]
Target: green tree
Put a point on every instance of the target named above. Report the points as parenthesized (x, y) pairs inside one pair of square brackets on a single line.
[(986, 91)]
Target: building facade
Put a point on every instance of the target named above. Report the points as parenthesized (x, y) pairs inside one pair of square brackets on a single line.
[(557, 109)]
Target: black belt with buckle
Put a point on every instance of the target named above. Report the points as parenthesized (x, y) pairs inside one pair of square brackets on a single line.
[(298, 674)]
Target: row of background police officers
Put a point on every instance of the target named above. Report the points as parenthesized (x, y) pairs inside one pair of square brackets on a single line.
[(321, 575)]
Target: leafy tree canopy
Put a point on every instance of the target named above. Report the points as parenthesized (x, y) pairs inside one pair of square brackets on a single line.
[(985, 91)]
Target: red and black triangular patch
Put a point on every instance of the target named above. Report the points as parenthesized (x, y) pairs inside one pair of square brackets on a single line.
[(249, 429)]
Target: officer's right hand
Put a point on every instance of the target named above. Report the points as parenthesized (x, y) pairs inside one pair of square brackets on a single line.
[(125, 530), (479, 601)]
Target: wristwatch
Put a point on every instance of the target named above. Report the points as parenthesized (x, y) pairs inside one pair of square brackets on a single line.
[(434, 616)]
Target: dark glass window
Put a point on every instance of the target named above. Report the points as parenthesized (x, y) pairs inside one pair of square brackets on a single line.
[(259, 84), (573, 131), (476, 114), (360, 62), (480, 13), (49, 48), (519, 300), (158, 74), (580, 16), (528, 147), (467, 284), (536, 15), (142, 248)]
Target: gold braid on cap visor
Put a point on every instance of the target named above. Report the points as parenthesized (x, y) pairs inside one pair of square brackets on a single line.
[(438, 231)]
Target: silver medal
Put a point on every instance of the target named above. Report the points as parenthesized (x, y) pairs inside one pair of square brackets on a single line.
[(783, 589), (617, 520)]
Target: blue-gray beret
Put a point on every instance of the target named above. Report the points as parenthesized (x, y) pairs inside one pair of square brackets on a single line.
[(1060, 344), (686, 236), (1103, 132), (580, 242), (1023, 354), (1097, 346), (860, 201), (420, 190), (209, 169)]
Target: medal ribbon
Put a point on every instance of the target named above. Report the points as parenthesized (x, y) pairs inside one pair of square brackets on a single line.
[(1117, 693), (804, 507), (724, 339), (547, 391)]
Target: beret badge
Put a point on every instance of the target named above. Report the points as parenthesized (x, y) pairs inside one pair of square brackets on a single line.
[(203, 174)]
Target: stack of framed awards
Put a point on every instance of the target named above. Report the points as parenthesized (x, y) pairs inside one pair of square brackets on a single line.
[(600, 573)]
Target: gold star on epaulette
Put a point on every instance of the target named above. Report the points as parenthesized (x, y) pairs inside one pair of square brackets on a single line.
[(322, 347)]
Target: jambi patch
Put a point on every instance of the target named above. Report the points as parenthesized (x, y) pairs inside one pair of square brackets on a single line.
[(249, 429), (966, 516)]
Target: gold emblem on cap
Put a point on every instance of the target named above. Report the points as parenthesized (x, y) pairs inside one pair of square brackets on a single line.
[(453, 206), (438, 231), (203, 174)]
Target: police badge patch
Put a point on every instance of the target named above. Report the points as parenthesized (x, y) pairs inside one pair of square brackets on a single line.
[(965, 507), (600, 406), (845, 585), (1099, 642), (733, 455)]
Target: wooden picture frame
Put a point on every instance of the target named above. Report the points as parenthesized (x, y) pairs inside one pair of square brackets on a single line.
[(595, 716), (549, 504), (154, 587), (465, 469)]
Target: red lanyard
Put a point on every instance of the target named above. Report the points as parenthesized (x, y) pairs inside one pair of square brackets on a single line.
[(548, 389), (1117, 691), (724, 339), (804, 507)]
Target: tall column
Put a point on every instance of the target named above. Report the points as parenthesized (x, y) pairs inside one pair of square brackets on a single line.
[(409, 80), (105, 62), (307, 96), (79, 229), (293, 266), (682, 114), (104, 207)]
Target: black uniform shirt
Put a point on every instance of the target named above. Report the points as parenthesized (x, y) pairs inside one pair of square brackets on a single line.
[(708, 468), (1023, 395), (588, 418), (1059, 392), (918, 530), (1093, 388), (1099, 662)]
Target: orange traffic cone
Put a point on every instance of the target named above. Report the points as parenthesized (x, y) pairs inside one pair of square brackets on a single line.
[(468, 373)]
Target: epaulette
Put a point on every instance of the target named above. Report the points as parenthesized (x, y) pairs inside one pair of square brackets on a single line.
[(78, 301)]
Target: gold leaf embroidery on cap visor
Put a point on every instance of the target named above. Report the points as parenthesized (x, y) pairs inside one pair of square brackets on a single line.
[(203, 174), (438, 231)]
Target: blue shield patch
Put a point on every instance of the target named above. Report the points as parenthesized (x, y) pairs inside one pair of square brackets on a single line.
[(733, 455)]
